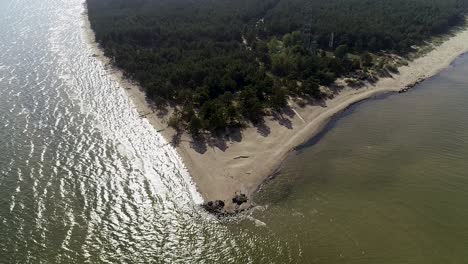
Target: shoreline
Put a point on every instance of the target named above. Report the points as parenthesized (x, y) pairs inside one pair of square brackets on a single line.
[(242, 163)]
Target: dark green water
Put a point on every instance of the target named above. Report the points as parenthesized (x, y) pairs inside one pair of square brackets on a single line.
[(387, 183)]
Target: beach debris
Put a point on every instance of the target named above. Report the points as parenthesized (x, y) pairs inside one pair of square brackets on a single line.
[(240, 198), (242, 157)]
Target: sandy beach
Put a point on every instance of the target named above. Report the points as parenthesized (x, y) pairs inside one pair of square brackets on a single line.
[(247, 158)]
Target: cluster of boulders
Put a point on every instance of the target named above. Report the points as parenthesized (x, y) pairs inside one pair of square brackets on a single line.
[(408, 87), (239, 199), (214, 207), (218, 207)]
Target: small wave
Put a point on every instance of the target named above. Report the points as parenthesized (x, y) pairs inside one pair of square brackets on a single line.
[(257, 222)]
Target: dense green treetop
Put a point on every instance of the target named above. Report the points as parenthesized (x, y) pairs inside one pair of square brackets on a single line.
[(228, 62)]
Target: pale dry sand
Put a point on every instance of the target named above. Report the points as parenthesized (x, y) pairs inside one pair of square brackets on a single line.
[(244, 162)]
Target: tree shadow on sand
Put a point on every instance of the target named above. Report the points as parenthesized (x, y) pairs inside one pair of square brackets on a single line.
[(199, 144), (219, 140), (282, 120), (176, 138), (262, 128), (222, 139)]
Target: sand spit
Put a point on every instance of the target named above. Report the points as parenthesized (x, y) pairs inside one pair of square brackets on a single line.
[(241, 163)]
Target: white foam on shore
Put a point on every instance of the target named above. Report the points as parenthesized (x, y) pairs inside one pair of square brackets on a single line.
[(101, 98)]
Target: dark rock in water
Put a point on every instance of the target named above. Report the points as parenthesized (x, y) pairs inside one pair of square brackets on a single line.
[(214, 207), (218, 208), (240, 199)]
